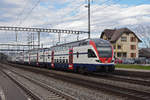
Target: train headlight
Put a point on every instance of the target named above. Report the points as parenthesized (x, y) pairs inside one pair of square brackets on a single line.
[(112, 61), (98, 61)]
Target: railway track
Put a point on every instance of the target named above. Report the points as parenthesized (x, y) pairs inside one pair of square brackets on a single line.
[(55, 94), (131, 94), (28, 92), (133, 80), (144, 75)]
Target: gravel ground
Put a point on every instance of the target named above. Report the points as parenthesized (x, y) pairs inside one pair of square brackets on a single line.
[(80, 93), (107, 81), (44, 94)]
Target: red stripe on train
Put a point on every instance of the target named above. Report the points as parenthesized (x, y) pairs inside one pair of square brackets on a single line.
[(52, 60), (70, 59)]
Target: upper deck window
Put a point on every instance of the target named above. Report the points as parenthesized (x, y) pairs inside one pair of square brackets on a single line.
[(83, 43)]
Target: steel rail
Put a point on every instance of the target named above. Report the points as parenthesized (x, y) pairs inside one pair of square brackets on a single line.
[(58, 93), (26, 90), (133, 80), (132, 94)]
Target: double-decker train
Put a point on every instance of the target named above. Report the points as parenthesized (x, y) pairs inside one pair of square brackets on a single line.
[(88, 55)]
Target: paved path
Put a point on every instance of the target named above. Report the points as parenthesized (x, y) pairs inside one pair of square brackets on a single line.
[(136, 70), (9, 90)]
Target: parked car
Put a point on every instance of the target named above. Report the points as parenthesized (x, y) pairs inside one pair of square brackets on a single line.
[(128, 61), (118, 61)]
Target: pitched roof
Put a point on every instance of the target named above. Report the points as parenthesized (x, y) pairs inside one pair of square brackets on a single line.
[(114, 34), (108, 32)]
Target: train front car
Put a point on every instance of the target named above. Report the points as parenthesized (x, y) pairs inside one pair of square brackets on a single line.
[(104, 54), (88, 55)]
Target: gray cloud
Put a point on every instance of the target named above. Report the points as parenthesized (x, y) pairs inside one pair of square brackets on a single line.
[(72, 16)]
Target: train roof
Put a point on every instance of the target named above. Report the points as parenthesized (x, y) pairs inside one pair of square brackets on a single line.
[(98, 41), (83, 42)]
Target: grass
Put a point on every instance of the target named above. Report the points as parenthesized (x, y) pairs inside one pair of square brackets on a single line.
[(130, 66)]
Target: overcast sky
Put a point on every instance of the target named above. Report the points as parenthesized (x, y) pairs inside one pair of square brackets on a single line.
[(72, 14)]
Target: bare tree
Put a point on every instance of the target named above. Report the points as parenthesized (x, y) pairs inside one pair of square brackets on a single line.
[(143, 31)]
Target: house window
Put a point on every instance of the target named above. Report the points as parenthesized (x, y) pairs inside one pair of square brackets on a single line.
[(133, 39), (133, 47), (133, 55), (127, 33), (124, 54), (119, 46), (114, 46), (119, 54), (123, 39)]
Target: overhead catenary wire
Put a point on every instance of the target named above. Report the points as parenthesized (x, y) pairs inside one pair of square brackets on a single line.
[(68, 14), (18, 17), (29, 13), (81, 6)]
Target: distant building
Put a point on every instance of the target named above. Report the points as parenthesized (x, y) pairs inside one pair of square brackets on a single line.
[(124, 41), (144, 52)]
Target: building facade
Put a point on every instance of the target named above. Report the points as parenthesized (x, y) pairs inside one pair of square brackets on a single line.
[(124, 41)]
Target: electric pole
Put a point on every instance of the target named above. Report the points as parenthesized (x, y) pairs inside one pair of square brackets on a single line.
[(89, 19), (38, 40)]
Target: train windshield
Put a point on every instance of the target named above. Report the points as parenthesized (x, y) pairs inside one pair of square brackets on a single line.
[(105, 51), (104, 48)]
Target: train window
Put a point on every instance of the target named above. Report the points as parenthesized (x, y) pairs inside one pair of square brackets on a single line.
[(77, 54), (63, 60), (91, 54), (84, 43), (66, 60)]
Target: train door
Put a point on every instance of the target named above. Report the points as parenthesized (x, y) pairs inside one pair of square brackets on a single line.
[(43, 56), (29, 57), (46, 58), (71, 59), (52, 60), (37, 59), (23, 56)]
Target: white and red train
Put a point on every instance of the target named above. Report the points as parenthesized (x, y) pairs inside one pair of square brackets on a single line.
[(88, 55)]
